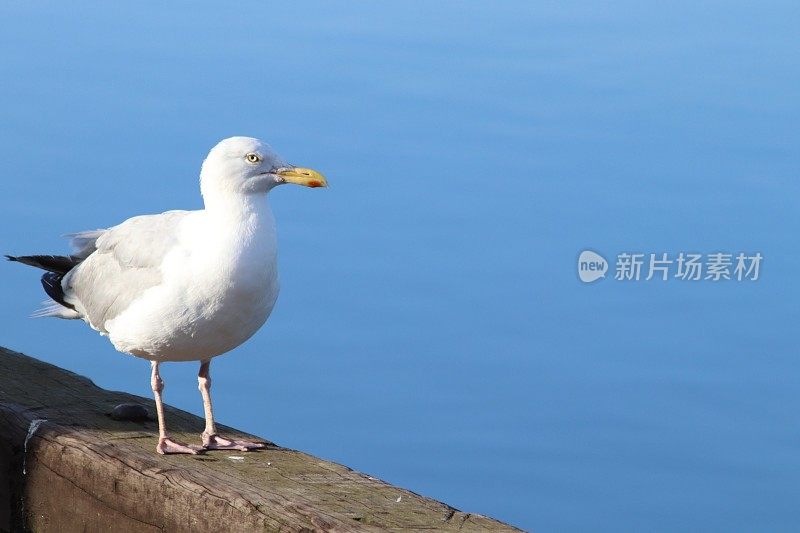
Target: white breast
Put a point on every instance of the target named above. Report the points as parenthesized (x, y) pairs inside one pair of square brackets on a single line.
[(219, 287)]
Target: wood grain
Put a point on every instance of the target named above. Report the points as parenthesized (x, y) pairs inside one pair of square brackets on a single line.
[(83, 471)]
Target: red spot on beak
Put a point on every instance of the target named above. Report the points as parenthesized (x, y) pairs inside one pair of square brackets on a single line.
[(314, 183)]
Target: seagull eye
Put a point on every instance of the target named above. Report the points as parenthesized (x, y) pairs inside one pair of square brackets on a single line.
[(252, 158)]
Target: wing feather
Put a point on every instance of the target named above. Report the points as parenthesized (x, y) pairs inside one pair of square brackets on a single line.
[(125, 262)]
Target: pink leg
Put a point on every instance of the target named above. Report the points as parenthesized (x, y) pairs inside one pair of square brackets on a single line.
[(212, 441), (165, 444)]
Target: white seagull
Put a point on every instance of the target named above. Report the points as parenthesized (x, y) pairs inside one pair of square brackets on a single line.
[(182, 285)]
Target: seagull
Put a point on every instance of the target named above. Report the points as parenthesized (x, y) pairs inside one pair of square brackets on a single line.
[(182, 285)]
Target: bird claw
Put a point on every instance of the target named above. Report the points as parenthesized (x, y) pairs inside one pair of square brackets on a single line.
[(215, 442), (168, 446)]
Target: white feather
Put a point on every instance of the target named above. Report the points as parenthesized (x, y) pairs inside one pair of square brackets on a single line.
[(185, 285), (51, 308)]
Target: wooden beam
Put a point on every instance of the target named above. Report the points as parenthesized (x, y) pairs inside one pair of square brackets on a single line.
[(66, 465)]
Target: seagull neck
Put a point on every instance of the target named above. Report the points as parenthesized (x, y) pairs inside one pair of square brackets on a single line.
[(238, 207)]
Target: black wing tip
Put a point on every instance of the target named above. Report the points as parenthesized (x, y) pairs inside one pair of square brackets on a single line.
[(51, 282), (52, 263)]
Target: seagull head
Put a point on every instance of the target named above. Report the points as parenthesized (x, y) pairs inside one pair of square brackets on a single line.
[(245, 165)]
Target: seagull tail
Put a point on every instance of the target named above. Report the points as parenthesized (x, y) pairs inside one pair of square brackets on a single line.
[(51, 308), (57, 266)]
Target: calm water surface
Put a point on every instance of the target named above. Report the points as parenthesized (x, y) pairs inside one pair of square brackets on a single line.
[(432, 330)]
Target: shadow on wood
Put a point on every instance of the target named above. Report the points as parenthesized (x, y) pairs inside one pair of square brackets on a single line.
[(69, 466)]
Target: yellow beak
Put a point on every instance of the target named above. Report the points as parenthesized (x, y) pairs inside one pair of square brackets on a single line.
[(303, 176)]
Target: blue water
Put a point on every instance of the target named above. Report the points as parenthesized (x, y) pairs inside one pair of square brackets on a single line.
[(432, 330)]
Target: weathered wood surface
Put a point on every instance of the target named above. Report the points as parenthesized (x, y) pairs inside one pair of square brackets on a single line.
[(76, 469)]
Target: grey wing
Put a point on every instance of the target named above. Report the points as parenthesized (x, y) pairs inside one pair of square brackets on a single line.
[(84, 243), (122, 263)]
